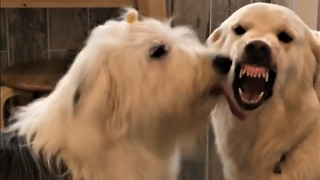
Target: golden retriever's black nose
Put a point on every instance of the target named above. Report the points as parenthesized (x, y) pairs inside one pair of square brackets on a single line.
[(222, 64), (257, 48)]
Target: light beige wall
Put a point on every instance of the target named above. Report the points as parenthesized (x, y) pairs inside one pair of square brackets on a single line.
[(306, 9)]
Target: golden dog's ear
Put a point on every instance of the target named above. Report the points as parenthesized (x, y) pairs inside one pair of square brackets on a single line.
[(216, 38), (317, 53)]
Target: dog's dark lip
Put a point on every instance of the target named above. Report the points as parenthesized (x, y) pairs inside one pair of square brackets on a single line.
[(266, 93)]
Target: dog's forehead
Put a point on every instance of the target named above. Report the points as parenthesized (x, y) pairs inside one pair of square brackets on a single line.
[(262, 14)]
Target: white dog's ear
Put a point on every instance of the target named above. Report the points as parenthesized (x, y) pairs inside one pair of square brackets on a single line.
[(317, 74), (216, 39)]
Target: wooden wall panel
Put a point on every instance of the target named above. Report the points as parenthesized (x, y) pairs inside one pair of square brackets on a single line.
[(214, 163), (27, 34), (3, 32), (100, 15), (219, 12), (68, 28), (222, 9), (194, 14), (4, 59), (236, 4)]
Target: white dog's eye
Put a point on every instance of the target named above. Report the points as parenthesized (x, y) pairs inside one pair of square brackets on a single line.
[(284, 37), (158, 51), (239, 30)]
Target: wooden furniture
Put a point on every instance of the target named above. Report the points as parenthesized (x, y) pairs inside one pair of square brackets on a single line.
[(41, 76), (24, 79), (151, 8), (35, 76)]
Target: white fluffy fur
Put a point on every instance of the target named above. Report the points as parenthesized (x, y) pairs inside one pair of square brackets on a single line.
[(290, 120), (132, 109)]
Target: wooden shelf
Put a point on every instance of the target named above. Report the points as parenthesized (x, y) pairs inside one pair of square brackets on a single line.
[(150, 8), (66, 3)]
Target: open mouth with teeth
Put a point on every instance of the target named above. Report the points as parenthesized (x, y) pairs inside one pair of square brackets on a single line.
[(253, 85)]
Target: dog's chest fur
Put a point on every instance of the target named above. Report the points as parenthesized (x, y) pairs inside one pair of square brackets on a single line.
[(252, 148)]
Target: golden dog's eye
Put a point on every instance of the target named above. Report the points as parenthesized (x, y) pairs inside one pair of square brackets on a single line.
[(284, 37), (239, 30), (158, 51)]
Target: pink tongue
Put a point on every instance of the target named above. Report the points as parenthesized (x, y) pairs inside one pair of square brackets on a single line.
[(235, 109)]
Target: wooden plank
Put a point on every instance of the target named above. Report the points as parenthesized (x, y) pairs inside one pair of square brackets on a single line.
[(169, 7), (4, 60), (68, 28), (3, 31), (236, 4), (98, 16), (153, 8), (66, 3), (219, 12), (193, 13), (28, 34), (214, 163)]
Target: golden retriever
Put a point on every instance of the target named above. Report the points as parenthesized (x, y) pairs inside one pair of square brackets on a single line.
[(274, 78)]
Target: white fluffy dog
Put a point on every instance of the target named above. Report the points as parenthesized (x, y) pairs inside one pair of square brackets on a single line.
[(274, 76), (118, 113)]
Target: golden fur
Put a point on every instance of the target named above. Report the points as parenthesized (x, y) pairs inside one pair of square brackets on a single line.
[(288, 122)]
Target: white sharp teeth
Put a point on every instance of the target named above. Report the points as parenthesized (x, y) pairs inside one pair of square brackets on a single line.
[(267, 76), (264, 75), (241, 73), (241, 92), (260, 96)]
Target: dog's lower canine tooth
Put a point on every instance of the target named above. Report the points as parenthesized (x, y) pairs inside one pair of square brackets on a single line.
[(260, 95), (240, 92)]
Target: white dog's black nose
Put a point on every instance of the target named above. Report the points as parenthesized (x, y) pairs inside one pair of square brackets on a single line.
[(257, 48), (222, 64)]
